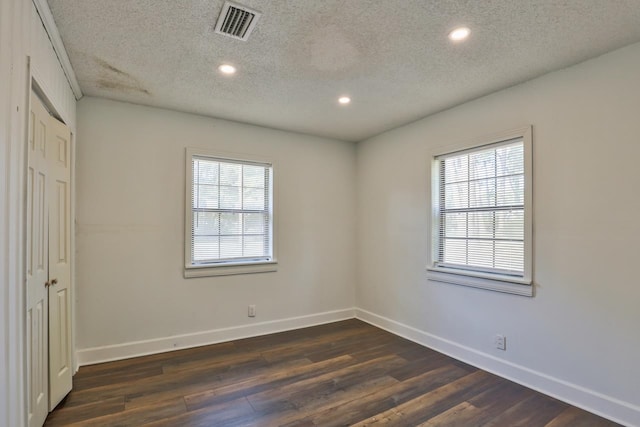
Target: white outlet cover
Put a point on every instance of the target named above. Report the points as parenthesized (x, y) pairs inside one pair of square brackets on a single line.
[(501, 342)]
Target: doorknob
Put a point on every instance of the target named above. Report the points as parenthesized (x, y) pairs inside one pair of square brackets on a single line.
[(47, 284), (54, 282)]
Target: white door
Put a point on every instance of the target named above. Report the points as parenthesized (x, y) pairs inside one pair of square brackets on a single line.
[(37, 266), (48, 263), (59, 174)]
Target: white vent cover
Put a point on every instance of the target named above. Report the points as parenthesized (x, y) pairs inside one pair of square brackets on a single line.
[(236, 21)]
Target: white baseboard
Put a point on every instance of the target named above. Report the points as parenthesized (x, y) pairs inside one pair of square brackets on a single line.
[(614, 409), (90, 356), (608, 407)]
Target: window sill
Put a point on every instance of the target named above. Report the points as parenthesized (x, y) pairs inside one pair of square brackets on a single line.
[(482, 281), (230, 269)]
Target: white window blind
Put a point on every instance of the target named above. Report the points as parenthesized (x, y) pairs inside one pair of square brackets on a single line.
[(481, 209), (231, 211)]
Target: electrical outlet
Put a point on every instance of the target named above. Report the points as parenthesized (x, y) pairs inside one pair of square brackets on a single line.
[(252, 310), (500, 342)]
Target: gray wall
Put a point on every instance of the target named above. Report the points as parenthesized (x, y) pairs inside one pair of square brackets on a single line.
[(130, 228), (582, 325)]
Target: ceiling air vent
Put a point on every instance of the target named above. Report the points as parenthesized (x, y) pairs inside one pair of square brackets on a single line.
[(236, 21)]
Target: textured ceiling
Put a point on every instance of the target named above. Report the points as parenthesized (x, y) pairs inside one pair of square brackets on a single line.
[(391, 56)]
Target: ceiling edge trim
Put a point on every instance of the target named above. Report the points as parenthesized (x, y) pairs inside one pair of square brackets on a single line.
[(58, 46)]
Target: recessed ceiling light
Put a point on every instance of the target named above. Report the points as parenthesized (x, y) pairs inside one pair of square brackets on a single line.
[(227, 69), (459, 34), (344, 100)]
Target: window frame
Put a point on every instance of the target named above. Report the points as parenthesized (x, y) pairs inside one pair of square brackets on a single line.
[(225, 268), (514, 284)]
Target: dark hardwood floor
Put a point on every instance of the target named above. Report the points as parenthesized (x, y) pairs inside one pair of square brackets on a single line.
[(344, 373)]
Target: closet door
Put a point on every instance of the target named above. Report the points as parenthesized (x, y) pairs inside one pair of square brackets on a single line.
[(59, 174), (37, 266), (49, 353)]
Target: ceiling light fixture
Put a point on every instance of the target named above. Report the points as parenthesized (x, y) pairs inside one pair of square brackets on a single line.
[(227, 69), (459, 34), (344, 100)]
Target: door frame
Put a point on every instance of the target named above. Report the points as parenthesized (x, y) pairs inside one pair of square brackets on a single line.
[(40, 91), (51, 106)]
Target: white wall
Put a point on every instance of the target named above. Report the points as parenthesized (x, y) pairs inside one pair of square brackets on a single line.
[(578, 337), (13, 71), (130, 232), (47, 72)]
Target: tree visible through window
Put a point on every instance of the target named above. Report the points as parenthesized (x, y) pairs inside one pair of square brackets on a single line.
[(231, 211), (481, 211), (481, 220)]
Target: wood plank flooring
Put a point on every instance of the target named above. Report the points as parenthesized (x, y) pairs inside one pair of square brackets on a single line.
[(339, 374)]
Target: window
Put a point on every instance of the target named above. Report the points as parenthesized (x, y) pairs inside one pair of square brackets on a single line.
[(229, 216), (481, 223)]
